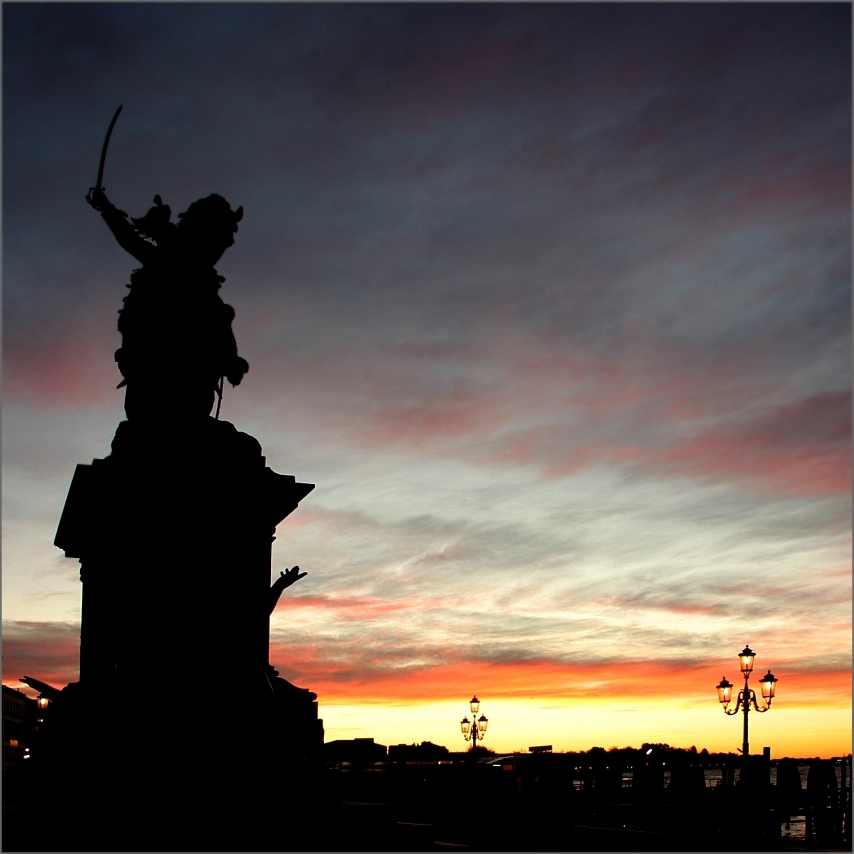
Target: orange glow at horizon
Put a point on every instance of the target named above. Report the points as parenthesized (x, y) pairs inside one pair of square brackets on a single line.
[(516, 725), (575, 707), (617, 680)]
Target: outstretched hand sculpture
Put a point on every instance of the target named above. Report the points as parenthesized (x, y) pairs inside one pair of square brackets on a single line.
[(286, 579)]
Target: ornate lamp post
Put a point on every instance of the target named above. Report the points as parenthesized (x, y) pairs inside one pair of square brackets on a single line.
[(476, 728), (746, 696)]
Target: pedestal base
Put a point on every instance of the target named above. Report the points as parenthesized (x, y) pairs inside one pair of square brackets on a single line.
[(177, 713)]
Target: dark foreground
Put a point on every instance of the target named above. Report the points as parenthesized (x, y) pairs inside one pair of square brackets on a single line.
[(518, 803)]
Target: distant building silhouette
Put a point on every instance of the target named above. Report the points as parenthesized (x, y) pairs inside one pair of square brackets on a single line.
[(356, 751), (424, 752)]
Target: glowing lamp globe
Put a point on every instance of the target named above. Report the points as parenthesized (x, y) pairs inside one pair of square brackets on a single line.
[(745, 660), (482, 722), (474, 704), (465, 726), (769, 685), (724, 690)]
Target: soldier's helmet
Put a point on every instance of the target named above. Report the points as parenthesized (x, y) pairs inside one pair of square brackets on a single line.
[(211, 213), (206, 229)]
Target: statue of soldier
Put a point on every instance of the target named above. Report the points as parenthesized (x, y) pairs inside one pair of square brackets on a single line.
[(177, 341)]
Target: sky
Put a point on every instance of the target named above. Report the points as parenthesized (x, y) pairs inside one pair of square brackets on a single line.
[(551, 302)]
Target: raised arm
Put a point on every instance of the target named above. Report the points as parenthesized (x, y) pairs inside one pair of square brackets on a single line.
[(125, 234), (285, 579)]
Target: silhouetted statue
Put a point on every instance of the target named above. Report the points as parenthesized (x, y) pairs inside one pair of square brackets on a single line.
[(178, 712), (177, 341)]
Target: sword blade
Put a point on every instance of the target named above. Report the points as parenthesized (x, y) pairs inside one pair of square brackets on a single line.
[(100, 178)]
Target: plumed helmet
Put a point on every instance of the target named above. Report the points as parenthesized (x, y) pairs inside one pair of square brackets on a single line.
[(212, 209)]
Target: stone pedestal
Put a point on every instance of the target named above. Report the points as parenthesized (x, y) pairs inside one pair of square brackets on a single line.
[(174, 532)]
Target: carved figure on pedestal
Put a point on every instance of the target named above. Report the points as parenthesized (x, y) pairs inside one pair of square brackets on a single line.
[(177, 341), (295, 704)]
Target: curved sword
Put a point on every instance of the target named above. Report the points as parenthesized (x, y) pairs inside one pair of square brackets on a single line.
[(100, 178)]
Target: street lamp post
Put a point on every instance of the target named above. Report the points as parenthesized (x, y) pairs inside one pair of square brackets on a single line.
[(476, 728), (746, 696)]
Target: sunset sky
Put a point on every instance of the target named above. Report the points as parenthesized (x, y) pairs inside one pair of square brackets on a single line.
[(551, 302)]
